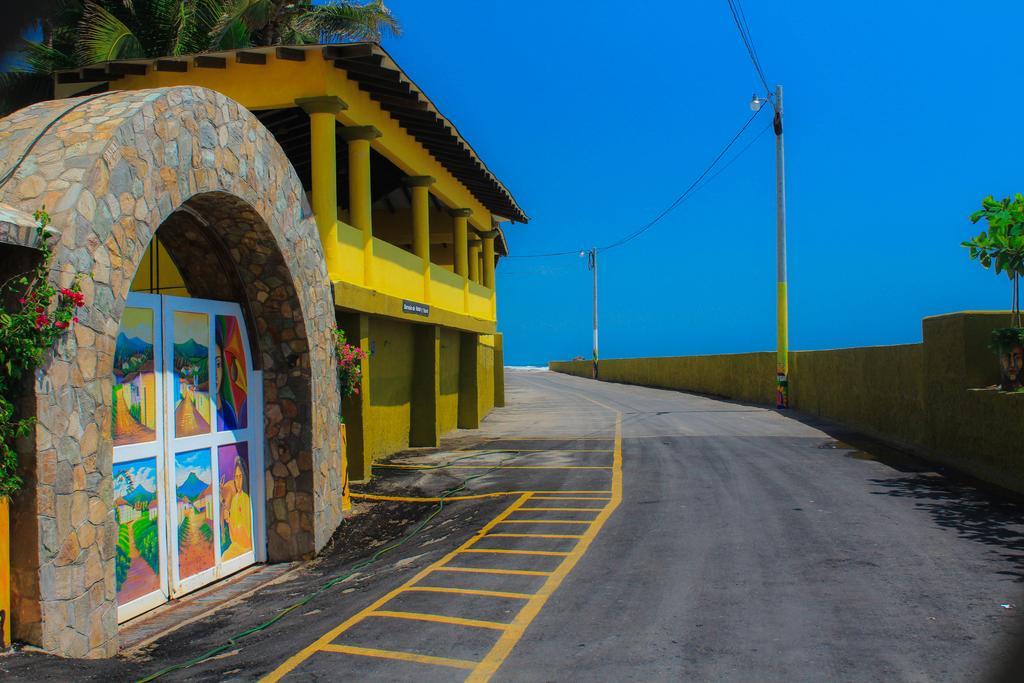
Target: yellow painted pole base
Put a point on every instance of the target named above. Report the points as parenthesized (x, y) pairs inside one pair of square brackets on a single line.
[(5, 572), (346, 499)]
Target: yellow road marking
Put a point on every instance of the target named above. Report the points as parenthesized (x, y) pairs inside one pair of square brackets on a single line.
[(485, 466), (513, 631), (535, 450), (475, 496), (562, 509), (567, 498), (439, 619), (535, 535), (407, 499), (394, 654), (543, 521), (486, 570), (470, 591), (290, 664), (502, 551), (522, 439), (501, 650)]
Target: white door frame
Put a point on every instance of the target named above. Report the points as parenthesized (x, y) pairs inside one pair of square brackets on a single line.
[(168, 445)]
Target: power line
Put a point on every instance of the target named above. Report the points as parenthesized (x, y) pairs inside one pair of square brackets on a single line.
[(679, 200), (750, 36), (738, 154), (553, 253), (685, 195), (736, 9)]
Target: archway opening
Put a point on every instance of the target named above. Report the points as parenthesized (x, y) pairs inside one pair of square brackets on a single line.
[(211, 407)]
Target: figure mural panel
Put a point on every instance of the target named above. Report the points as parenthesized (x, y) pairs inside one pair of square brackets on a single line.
[(137, 555), (193, 477), (235, 501), (232, 382), (134, 401), (191, 373)]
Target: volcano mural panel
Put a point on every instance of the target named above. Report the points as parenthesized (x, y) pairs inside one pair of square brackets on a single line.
[(191, 373), (137, 554), (193, 477)]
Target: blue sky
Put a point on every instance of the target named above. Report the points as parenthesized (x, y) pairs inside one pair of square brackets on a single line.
[(899, 120)]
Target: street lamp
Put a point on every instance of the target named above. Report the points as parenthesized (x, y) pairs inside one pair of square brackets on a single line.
[(782, 295)]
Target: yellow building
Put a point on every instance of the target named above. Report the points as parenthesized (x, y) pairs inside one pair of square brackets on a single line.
[(408, 214)]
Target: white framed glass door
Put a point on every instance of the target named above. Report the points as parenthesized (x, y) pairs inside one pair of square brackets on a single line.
[(192, 445), (137, 429), (210, 449)]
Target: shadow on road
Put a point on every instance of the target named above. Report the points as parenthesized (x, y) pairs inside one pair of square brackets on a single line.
[(976, 514)]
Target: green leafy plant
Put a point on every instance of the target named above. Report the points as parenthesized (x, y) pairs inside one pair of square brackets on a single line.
[(76, 33), (1002, 246), (1007, 338), (39, 313), (350, 374)]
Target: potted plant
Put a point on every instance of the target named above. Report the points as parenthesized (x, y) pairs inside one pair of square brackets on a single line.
[(350, 376), (1002, 247), (34, 315)]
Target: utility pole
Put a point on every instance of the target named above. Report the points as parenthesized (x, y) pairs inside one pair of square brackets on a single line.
[(782, 311), (592, 265)]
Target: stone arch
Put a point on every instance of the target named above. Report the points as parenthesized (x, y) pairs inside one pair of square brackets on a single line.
[(111, 169)]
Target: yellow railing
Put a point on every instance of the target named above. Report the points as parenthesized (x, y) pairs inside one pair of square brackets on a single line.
[(480, 301), (398, 273), (351, 242), (446, 289)]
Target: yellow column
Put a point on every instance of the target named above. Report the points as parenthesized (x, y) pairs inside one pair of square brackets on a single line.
[(488, 267), (474, 260), (460, 242), (460, 238), (324, 161), (360, 200), (420, 187), (488, 271)]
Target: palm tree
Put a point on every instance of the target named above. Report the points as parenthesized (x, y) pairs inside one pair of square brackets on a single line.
[(83, 32), (295, 22)]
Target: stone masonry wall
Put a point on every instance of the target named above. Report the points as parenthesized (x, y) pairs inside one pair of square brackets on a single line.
[(111, 170)]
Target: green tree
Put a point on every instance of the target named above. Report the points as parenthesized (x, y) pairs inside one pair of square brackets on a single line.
[(83, 32), (1002, 246), (297, 22)]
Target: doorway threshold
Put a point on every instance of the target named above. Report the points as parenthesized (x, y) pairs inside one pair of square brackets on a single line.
[(145, 629)]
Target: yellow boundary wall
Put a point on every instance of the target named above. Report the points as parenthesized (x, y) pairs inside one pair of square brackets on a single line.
[(924, 397)]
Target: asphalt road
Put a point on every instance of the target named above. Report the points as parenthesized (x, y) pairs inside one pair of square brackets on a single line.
[(697, 539)]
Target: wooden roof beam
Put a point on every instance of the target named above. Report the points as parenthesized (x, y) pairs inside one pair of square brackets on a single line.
[(290, 54), (209, 62), (127, 69), (173, 65), (348, 51), (243, 57)]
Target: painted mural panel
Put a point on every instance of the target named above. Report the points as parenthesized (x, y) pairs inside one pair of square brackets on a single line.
[(235, 501), (232, 381), (137, 555), (193, 478), (135, 399), (191, 373)]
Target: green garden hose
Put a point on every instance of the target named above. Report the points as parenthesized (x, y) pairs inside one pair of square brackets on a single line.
[(233, 640)]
